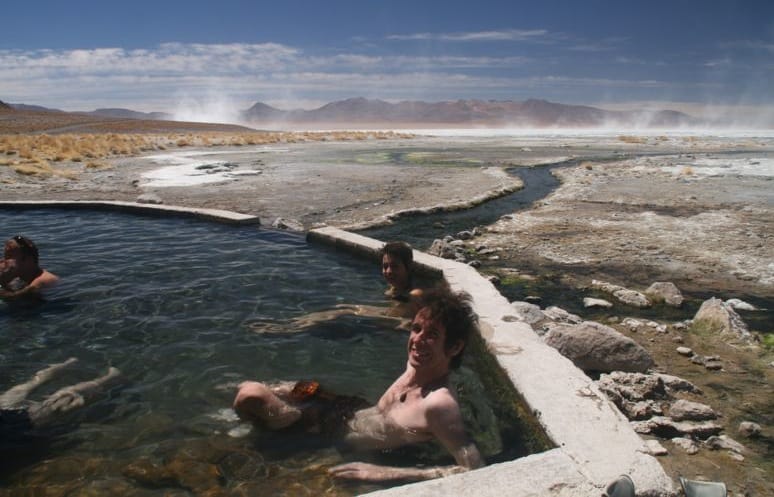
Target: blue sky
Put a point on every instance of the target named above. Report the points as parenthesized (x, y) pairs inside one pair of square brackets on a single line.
[(206, 55)]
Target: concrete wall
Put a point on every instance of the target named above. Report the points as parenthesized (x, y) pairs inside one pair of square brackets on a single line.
[(595, 443)]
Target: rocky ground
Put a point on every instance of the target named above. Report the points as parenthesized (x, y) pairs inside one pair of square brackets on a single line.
[(638, 210)]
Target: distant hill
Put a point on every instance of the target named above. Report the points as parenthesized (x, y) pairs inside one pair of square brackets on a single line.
[(529, 113), (130, 114), (34, 108), (4, 106)]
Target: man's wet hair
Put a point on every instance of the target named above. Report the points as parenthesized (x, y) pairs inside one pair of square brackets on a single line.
[(400, 250), (454, 311), (26, 246)]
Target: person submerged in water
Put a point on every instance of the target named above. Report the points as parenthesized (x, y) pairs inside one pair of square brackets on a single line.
[(19, 416), (20, 271), (419, 406)]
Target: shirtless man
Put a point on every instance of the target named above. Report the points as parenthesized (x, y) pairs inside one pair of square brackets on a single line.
[(418, 407), (20, 272)]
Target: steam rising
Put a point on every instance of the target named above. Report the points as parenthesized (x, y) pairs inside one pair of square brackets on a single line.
[(210, 108)]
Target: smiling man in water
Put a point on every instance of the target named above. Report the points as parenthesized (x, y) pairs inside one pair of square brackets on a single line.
[(419, 406)]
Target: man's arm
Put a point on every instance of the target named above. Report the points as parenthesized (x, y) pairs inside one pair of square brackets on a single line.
[(445, 422), (43, 281)]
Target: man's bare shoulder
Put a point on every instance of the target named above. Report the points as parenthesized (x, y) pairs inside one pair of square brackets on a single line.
[(440, 400)]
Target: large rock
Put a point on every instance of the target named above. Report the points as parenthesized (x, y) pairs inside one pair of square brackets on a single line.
[(716, 316), (596, 347), (664, 291)]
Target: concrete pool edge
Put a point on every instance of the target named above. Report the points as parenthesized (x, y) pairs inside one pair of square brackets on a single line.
[(219, 215), (595, 442)]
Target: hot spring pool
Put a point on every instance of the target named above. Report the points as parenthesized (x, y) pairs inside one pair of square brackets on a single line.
[(170, 303), (174, 304)]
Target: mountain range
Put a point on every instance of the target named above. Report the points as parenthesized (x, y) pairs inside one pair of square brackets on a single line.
[(459, 113), (529, 113)]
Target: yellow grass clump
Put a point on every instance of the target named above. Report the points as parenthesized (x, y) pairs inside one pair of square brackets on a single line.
[(33, 153), (640, 140), (687, 171)]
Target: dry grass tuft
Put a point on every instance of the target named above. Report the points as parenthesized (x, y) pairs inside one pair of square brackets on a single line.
[(640, 140), (34, 153), (687, 171), (97, 165)]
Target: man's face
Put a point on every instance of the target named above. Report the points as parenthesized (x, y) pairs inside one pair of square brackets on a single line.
[(427, 344), (394, 271)]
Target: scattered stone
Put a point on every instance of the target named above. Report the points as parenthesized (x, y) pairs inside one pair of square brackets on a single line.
[(666, 292), (740, 305), (654, 448), (681, 326), (595, 347), (591, 302), (749, 429), (714, 315), (532, 298), (529, 313), (697, 359), (724, 442), (664, 427), (448, 249), (613, 319), (632, 386), (686, 351), (676, 384), (624, 295), (632, 324), (464, 235), (149, 198), (686, 410), (678, 339), (561, 316), (474, 264), (686, 444), (713, 365), (287, 224)]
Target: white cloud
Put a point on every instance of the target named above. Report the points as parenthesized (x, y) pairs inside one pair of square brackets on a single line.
[(234, 76), (504, 35)]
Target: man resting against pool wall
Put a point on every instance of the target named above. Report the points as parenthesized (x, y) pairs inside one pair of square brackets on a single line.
[(20, 271), (419, 406)]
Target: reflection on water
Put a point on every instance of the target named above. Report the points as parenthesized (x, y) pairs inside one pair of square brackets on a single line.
[(170, 302)]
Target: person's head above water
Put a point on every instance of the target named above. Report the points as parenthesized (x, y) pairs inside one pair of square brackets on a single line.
[(453, 315), (397, 259), (20, 271), (20, 247)]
